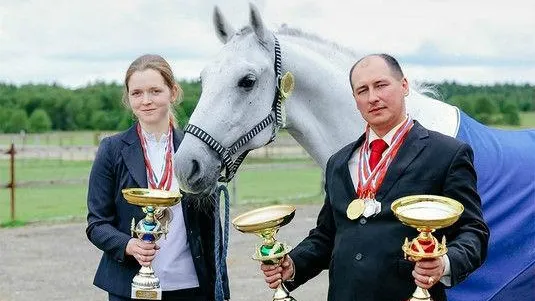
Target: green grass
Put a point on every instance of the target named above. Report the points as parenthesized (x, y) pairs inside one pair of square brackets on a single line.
[(44, 203), (527, 121), (12, 224), (291, 185), (298, 183), (41, 170)]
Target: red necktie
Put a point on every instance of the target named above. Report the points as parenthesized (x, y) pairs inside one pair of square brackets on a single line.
[(377, 146)]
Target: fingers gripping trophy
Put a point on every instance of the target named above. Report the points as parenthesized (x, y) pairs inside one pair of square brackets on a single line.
[(154, 202), (266, 222), (426, 213)]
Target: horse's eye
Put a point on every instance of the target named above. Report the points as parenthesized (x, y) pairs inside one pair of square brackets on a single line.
[(247, 82)]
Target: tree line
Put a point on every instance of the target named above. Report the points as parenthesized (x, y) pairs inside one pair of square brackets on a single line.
[(38, 108)]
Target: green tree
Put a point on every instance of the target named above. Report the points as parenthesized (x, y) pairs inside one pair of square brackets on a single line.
[(18, 121), (510, 114), (464, 104), (103, 120), (39, 122), (126, 121), (4, 114), (485, 110)]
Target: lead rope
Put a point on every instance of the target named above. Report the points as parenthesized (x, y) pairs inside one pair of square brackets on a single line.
[(220, 250)]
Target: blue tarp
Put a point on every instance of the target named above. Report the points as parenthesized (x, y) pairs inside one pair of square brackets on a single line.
[(505, 165)]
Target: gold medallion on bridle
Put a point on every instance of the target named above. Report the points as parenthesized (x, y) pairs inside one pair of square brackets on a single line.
[(287, 85), (355, 209)]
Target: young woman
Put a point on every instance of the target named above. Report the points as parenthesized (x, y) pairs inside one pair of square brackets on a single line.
[(142, 157)]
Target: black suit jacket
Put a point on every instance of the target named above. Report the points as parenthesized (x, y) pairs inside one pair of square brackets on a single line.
[(364, 256), (119, 164)]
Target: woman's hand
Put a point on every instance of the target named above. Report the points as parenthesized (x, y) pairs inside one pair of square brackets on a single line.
[(143, 252)]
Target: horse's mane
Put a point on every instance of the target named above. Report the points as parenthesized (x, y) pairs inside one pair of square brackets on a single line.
[(320, 43), (296, 32)]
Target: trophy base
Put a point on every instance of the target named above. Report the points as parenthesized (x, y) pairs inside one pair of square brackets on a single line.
[(147, 294), (421, 294), (146, 285)]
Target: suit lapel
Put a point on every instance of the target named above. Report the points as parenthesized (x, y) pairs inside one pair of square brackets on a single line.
[(133, 157), (410, 149), (344, 168)]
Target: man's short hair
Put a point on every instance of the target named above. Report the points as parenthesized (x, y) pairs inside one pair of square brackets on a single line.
[(390, 61)]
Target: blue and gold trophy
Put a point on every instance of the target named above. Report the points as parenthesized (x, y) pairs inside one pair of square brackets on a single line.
[(154, 202)]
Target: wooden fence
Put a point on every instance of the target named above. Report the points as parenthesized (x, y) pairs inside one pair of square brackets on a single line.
[(285, 147)]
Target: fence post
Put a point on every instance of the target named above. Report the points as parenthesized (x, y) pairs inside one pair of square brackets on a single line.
[(11, 184)]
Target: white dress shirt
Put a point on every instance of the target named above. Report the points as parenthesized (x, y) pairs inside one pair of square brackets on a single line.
[(173, 263)]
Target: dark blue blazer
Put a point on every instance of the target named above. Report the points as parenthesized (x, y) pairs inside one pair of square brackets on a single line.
[(364, 256), (119, 164)]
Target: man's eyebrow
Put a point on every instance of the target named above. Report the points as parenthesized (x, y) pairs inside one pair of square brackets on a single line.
[(360, 87)]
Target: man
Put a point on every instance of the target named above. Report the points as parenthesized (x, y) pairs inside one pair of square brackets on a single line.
[(396, 157)]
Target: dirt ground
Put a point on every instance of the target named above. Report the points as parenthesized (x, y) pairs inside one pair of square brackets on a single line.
[(57, 262)]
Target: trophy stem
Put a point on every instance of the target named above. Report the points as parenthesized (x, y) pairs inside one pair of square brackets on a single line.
[(268, 236), (421, 294), (282, 294)]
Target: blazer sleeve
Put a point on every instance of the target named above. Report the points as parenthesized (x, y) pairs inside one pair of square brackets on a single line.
[(101, 205), (469, 236), (313, 254)]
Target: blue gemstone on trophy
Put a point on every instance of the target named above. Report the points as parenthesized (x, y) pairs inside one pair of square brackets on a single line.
[(148, 237)]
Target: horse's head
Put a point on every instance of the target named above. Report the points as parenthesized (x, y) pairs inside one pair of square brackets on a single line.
[(238, 89)]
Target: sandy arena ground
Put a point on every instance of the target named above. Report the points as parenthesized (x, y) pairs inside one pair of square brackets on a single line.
[(57, 262)]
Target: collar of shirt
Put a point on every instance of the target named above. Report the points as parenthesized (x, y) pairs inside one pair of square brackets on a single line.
[(353, 160), (388, 137), (150, 137), (156, 151)]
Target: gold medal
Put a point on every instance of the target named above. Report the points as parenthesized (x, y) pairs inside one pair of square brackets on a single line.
[(287, 85), (355, 209)]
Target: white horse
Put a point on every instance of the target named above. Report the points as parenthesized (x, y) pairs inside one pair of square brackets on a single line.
[(239, 91)]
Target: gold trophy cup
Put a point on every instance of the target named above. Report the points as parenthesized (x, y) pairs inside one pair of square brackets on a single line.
[(426, 213), (145, 284), (265, 222)]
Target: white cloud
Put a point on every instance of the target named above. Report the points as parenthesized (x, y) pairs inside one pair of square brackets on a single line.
[(73, 42)]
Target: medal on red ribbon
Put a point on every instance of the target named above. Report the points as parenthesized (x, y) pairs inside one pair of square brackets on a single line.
[(164, 183), (369, 180)]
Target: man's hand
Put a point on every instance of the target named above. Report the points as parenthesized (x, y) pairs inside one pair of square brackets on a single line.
[(143, 252), (427, 272), (276, 273)]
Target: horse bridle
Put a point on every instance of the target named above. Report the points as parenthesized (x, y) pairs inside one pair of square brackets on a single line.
[(275, 115)]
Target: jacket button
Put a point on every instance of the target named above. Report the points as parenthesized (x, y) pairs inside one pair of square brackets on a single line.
[(358, 256), (363, 221)]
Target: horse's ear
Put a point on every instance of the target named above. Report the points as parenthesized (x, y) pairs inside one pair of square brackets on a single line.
[(223, 30), (256, 22)]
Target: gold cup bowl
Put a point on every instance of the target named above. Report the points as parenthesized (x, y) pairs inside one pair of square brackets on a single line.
[(265, 222), (426, 213), (154, 202)]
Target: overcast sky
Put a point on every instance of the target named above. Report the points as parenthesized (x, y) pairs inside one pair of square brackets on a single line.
[(73, 42)]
